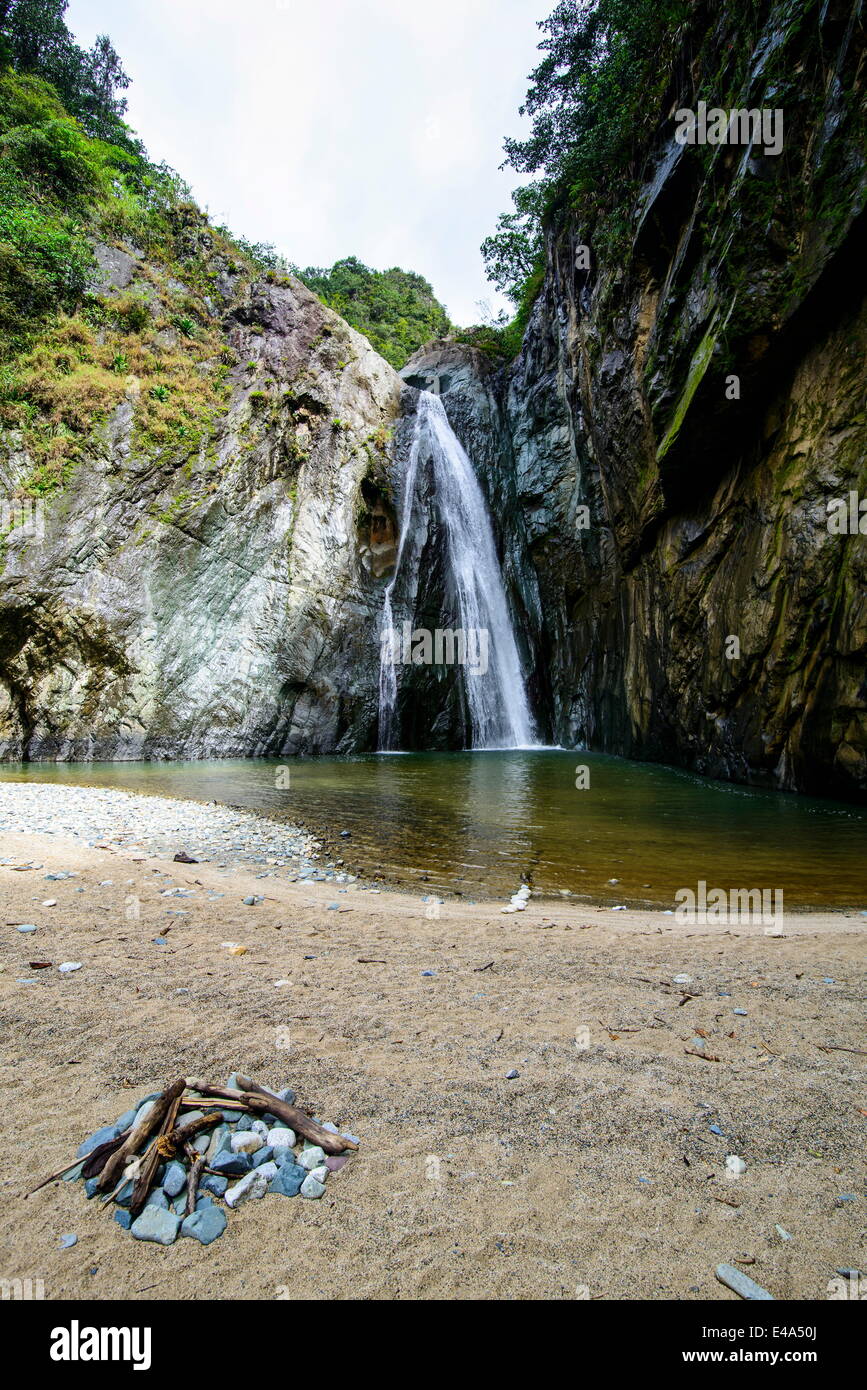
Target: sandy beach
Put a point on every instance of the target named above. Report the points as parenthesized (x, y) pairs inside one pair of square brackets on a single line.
[(598, 1171)]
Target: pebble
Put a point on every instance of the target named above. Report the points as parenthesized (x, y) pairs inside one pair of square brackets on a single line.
[(267, 1170), (287, 1096), (280, 1138), (67, 1242), (734, 1164), (312, 1157), (512, 1075), (211, 1182), (151, 825), (175, 1179), (246, 1143), (233, 1164), (68, 966), (334, 1162), (312, 1187), (263, 1155), (205, 1224), (99, 1136), (26, 927), (157, 1198), (742, 1284), (782, 1233), (254, 1184), (288, 1181), (156, 1225), (123, 1219)]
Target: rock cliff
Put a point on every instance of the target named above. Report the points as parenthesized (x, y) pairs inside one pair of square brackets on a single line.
[(225, 603), (661, 457)]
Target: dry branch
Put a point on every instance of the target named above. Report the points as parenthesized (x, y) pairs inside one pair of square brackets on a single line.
[(139, 1133), (262, 1102)]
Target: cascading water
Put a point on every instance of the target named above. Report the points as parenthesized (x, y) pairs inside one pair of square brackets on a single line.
[(496, 698)]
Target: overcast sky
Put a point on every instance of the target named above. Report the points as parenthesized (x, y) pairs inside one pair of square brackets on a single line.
[(332, 128)]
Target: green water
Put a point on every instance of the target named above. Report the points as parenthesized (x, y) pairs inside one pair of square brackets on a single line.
[(474, 822)]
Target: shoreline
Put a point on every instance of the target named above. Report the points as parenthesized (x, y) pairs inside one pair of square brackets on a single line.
[(303, 853)]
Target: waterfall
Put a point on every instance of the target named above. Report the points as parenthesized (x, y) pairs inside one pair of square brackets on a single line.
[(496, 698)]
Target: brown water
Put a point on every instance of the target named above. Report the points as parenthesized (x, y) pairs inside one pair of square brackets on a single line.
[(474, 822)]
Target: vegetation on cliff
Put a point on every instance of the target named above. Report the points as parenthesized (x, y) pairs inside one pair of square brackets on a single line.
[(76, 185), (396, 310)]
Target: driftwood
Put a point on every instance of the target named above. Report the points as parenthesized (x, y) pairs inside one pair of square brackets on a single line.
[(182, 1134), (91, 1165), (197, 1164), (262, 1102), (98, 1157), (138, 1134), (52, 1177), (159, 1149)]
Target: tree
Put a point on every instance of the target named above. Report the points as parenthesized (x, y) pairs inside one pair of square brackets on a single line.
[(512, 255), (395, 309), (592, 100), (35, 39)]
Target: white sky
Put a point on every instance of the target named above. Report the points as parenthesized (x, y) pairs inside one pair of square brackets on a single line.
[(332, 128)]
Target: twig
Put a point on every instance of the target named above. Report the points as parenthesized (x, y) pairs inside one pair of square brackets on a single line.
[(254, 1097), (139, 1133), (708, 1056), (51, 1177)]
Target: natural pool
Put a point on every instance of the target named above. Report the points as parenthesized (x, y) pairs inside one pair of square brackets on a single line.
[(474, 822)]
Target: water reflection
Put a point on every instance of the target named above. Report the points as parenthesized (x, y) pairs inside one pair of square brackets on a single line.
[(475, 822)]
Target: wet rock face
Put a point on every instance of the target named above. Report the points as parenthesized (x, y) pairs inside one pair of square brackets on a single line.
[(681, 594), (228, 607)]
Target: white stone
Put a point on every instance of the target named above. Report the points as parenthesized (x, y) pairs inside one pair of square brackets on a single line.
[(281, 1138), (253, 1184), (268, 1170), (247, 1142), (320, 1173), (312, 1158), (259, 1127), (735, 1164)]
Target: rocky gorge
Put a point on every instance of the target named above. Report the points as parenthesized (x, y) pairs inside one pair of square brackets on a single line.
[(658, 462)]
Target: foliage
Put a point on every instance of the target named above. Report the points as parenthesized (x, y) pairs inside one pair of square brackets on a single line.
[(34, 39), (395, 309), (593, 101)]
